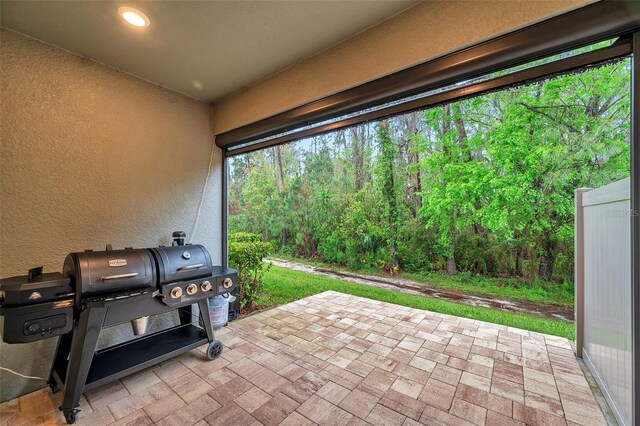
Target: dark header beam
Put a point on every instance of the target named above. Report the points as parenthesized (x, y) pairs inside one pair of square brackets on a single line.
[(583, 26)]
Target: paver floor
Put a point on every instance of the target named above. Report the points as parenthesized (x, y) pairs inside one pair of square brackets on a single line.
[(335, 359)]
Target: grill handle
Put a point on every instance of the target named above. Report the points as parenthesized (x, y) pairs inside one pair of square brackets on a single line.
[(119, 276), (190, 267)]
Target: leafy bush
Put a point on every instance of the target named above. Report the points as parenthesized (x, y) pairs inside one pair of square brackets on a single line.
[(416, 246), (244, 237), (246, 253)]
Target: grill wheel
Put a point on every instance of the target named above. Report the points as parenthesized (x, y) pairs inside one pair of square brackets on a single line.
[(71, 416), (214, 350), (53, 385)]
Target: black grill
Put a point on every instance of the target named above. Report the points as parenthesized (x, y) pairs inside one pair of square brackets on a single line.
[(103, 288)]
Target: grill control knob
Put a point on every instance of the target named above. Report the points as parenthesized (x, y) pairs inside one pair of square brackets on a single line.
[(176, 292), (227, 283), (192, 289), (205, 286)]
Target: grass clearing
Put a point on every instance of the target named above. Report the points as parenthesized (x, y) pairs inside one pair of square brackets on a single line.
[(546, 293), (283, 285)]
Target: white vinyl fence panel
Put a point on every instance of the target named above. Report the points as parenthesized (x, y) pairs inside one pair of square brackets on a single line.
[(603, 252)]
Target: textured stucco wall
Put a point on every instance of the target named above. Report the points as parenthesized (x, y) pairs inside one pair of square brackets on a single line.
[(427, 30), (91, 156)]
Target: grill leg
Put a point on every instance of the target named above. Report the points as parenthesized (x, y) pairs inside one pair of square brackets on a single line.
[(203, 305), (83, 346), (59, 360)]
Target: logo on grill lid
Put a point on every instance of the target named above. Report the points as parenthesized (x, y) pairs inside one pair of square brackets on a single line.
[(118, 262), (35, 295)]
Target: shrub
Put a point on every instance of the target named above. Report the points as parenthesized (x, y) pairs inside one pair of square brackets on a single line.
[(246, 253), (244, 237)]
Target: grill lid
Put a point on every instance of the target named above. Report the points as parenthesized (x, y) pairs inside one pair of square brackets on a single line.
[(110, 271), (181, 263), (34, 288)]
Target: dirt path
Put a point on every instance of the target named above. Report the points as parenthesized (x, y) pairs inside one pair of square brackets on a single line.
[(422, 289)]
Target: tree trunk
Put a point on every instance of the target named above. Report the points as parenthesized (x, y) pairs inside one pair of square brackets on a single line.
[(547, 259), (446, 121), (357, 148), (461, 130), (278, 160), (518, 271), (387, 159), (452, 268), (414, 159)]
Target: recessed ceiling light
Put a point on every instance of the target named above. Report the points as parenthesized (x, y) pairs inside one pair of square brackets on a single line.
[(134, 16)]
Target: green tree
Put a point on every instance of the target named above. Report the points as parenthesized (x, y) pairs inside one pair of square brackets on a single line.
[(386, 170)]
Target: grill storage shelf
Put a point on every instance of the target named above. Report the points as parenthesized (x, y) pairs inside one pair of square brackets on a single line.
[(121, 360)]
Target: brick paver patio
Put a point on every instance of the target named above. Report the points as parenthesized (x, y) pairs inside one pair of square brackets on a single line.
[(333, 359)]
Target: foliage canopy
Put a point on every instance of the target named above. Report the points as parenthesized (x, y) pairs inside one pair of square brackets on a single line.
[(483, 185)]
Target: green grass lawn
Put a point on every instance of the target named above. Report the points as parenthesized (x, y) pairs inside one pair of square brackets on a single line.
[(283, 285), (548, 293)]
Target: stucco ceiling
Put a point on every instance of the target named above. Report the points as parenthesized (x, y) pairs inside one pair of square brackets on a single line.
[(204, 49)]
